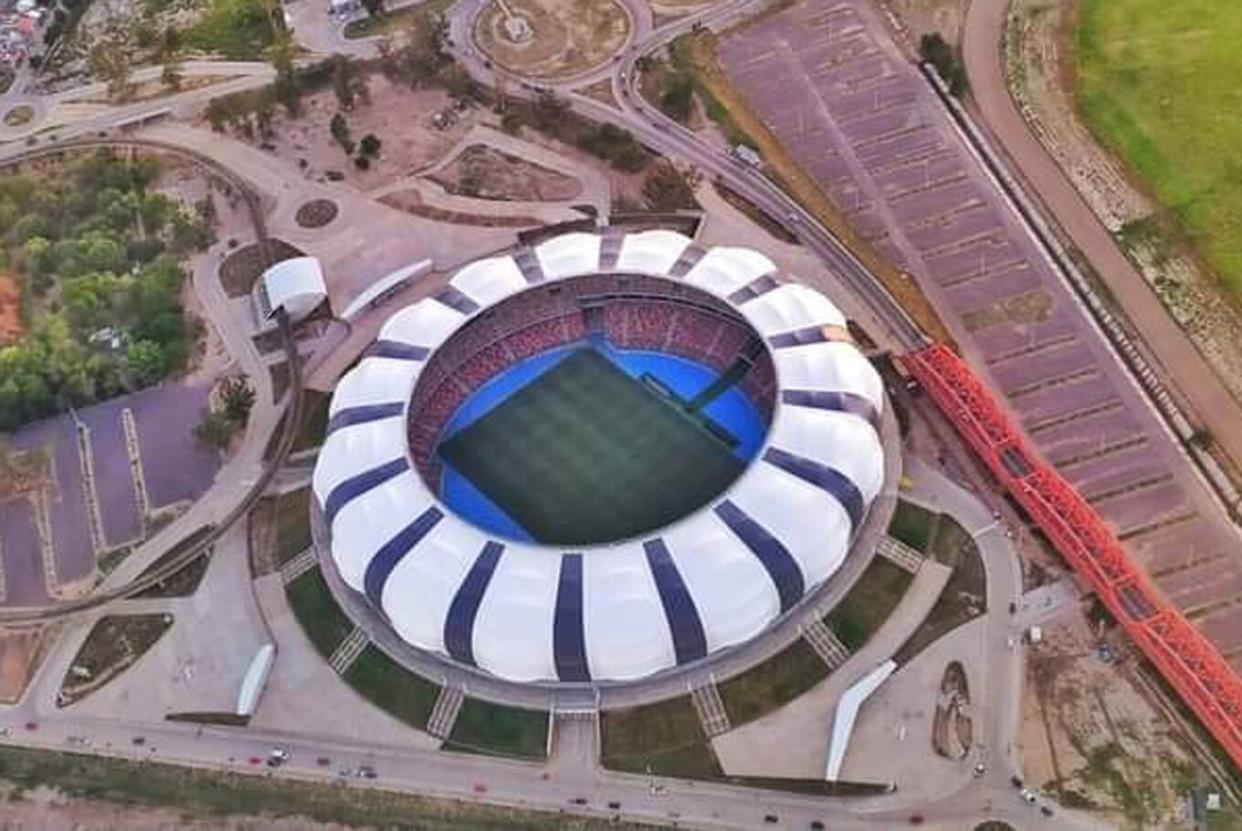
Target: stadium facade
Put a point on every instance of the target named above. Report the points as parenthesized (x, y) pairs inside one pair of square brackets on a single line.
[(608, 609)]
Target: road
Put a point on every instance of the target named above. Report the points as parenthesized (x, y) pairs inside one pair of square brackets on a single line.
[(553, 786)]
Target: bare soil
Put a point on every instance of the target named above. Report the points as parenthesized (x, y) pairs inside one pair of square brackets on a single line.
[(484, 172), (20, 652), (11, 327), (916, 18), (400, 117), (1092, 739), (1038, 42), (569, 36)]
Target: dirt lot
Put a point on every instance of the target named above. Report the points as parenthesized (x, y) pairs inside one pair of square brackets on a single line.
[(1037, 58), (1090, 735), (19, 655), (570, 36), (486, 173), (920, 17), (10, 317), (400, 117)]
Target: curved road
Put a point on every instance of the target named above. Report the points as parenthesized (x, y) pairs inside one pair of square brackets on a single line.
[(1183, 368)]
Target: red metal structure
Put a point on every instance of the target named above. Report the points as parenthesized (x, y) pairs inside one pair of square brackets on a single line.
[(1191, 665)]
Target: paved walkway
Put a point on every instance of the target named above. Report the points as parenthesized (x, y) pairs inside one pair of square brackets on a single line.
[(1168, 348), (793, 740)]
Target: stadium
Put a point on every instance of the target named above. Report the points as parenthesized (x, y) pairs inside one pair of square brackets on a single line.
[(600, 458)]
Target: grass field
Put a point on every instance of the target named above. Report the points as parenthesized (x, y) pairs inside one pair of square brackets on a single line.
[(314, 607), (482, 727), (1158, 84), (773, 683), (399, 692), (665, 737), (600, 457), (868, 603)]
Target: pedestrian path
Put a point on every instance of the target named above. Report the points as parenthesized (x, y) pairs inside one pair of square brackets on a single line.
[(444, 713), (349, 650), (899, 554), (826, 644), (299, 565), (710, 708)]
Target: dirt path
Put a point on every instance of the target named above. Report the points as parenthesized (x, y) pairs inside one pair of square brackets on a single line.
[(1183, 369)]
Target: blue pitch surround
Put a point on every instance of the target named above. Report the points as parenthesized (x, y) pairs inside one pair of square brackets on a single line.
[(732, 411)]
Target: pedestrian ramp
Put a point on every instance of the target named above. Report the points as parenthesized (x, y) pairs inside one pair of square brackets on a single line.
[(299, 565), (348, 651), (825, 643), (710, 708), (444, 713), (899, 554)]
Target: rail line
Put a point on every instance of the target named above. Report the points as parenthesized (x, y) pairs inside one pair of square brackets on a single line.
[(1183, 656), (291, 417)]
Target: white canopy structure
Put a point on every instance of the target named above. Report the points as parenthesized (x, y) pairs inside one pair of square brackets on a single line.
[(295, 285), (625, 610)]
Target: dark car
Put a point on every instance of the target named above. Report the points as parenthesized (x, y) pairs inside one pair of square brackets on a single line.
[(770, 819), (816, 825), (614, 806)]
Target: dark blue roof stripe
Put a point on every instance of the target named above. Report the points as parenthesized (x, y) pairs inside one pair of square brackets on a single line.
[(568, 635), (822, 476), (459, 623), (397, 349), (689, 642), (456, 299), (799, 337), (775, 557), (386, 559), (755, 288), (356, 486), (842, 402), (363, 414)]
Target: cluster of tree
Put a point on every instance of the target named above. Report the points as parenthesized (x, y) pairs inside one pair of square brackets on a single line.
[(614, 145), (670, 188), (418, 56), (677, 96), (218, 425), (934, 49), (64, 19), (368, 147), (99, 259), (252, 111)]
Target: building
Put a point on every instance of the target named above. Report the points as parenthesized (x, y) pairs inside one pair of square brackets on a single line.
[(295, 285), (646, 601)]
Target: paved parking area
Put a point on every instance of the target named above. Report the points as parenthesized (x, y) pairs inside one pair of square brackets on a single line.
[(174, 469), (858, 117)]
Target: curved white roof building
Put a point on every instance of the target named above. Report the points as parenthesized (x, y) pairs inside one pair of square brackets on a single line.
[(627, 609)]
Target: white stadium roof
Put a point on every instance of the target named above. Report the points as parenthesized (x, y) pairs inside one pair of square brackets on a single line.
[(715, 578)]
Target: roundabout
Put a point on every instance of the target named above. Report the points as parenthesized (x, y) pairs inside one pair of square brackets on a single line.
[(552, 39)]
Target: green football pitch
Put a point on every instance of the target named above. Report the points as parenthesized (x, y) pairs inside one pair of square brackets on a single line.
[(586, 454)]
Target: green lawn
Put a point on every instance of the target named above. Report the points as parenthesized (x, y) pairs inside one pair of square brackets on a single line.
[(235, 29), (482, 727), (868, 603), (601, 457), (292, 517), (315, 608), (1159, 84), (913, 525), (399, 692), (210, 797), (665, 737), (773, 683)]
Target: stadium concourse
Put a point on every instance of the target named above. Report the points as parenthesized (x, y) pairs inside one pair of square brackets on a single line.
[(679, 448)]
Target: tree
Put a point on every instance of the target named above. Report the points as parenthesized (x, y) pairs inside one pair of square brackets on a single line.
[(935, 50), (512, 121), (348, 83), (171, 74), (145, 361), (670, 188), (340, 131), (370, 145), (549, 112), (374, 8), (677, 102), (236, 399), (214, 431), (286, 88), (109, 60)]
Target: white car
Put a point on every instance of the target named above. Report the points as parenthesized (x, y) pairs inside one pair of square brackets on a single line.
[(1028, 795)]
